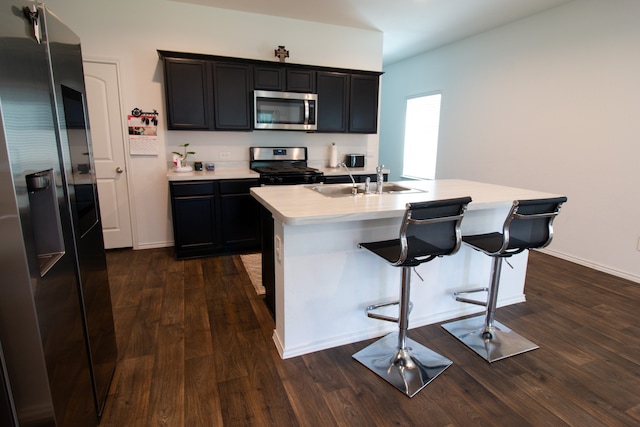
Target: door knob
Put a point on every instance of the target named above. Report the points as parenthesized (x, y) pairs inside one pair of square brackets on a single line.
[(119, 169)]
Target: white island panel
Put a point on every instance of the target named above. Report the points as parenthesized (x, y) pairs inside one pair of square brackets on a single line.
[(324, 281)]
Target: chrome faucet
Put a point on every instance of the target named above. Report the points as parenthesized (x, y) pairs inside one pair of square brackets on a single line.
[(379, 179), (354, 190)]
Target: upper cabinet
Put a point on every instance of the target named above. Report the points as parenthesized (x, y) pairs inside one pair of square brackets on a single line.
[(206, 92), (333, 101), (188, 94), (347, 102), (363, 103), (300, 80), (268, 78), (284, 79), (232, 92)]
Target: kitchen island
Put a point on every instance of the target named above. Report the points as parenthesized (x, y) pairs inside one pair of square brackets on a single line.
[(322, 281)]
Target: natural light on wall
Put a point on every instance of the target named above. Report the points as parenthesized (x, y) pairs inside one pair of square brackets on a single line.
[(421, 136)]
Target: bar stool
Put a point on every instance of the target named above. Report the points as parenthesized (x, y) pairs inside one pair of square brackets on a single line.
[(529, 225), (428, 230)]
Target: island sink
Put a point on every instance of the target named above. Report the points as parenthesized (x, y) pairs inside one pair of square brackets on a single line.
[(346, 190)]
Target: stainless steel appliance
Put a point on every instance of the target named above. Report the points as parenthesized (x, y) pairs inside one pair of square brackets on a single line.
[(57, 339), (285, 110), (283, 165)]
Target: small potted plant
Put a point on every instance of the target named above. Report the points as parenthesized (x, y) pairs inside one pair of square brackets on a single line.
[(181, 160)]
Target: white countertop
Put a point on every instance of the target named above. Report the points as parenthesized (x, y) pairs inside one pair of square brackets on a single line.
[(299, 205), (244, 173), (219, 173)]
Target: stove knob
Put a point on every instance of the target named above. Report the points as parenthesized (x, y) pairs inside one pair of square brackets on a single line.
[(279, 180)]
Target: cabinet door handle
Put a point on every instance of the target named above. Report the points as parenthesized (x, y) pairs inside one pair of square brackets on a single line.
[(119, 169)]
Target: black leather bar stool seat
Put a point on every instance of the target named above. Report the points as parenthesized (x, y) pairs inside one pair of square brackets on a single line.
[(529, 225), (428, 230)]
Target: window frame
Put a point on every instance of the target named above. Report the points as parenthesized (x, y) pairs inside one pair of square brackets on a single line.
[(406, 174)]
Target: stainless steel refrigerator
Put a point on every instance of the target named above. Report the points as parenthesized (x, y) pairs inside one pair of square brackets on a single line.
[(57, 340)]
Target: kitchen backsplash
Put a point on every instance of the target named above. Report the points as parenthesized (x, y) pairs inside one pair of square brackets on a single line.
[(231, 149)]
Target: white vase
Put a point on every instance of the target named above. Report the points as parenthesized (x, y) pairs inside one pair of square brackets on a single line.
[(182, 166)]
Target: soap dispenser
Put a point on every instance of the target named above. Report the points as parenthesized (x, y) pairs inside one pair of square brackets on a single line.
[(379, 178)]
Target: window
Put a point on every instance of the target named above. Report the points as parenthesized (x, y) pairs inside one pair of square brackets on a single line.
[(421, 136)]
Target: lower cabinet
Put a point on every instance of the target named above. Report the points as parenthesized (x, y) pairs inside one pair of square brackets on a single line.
[(268, 260), (214, 217), (240, 215), (195, 229)]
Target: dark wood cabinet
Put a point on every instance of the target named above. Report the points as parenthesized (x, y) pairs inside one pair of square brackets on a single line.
[(206, 92), (347, 102), (240, 215), (299, 80), (363, 103), (232, 92), (188, 94), (214, 217), (268, 259), (268, 78), (195, 225), (284, 79), (333, 97), (203, 94)]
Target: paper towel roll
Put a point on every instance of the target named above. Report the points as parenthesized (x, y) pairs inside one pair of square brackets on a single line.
[(333, 156)]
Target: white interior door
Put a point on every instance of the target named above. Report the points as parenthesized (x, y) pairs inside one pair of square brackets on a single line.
[(108, 138)]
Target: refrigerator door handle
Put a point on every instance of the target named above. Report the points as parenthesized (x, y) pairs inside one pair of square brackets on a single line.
[(34, 17)]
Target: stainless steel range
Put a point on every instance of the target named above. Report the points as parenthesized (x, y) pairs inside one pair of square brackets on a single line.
[(283, 165)]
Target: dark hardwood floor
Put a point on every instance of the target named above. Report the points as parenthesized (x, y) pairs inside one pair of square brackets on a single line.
[(195, 349)]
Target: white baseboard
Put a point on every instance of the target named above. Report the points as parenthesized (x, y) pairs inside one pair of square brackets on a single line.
[(382, 328), (599, 267), (154, 245)]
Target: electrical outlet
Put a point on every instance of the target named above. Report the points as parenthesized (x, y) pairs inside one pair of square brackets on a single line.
[(638, 244), (225, 154), (278, 250)]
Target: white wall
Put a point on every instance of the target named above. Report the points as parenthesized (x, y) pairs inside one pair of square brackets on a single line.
[(131, 32), (549, 103)]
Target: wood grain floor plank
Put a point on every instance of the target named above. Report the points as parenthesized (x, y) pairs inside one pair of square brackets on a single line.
[(201, 399), (166, 400), (143, 335), (129, 402), (197, 330), (195, 349)]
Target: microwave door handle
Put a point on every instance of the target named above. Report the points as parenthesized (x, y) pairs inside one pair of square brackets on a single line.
[(306, 111)]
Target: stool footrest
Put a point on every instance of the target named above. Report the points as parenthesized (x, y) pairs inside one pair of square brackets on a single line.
[(379, 316), (471, 301)]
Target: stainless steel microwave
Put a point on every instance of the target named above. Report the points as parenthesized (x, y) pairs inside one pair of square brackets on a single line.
[(285, 110)]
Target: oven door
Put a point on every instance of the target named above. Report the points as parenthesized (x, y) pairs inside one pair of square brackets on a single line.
[(285, 110)]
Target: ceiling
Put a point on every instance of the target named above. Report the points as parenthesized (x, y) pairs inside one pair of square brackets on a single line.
[(409, 27)]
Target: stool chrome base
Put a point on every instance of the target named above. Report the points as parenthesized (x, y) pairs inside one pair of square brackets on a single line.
[(409, 369), (501, 343)]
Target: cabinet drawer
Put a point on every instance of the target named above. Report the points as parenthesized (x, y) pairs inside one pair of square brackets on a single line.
[(237, 186), (186, 189)]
